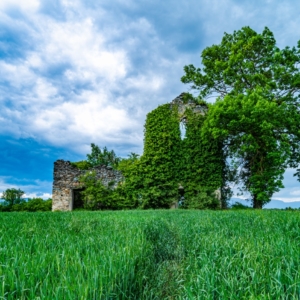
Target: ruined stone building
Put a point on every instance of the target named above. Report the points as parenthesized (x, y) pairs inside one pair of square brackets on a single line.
[(66, 186), (182, 106)]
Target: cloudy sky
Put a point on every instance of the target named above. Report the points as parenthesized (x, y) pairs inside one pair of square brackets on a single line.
[(73, 72)]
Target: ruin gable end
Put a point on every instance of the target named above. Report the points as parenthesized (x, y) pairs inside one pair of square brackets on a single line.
[(66, 181), (182, 106)]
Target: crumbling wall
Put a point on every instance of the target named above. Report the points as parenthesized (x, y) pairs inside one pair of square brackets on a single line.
[(66, 178), (182, 106)]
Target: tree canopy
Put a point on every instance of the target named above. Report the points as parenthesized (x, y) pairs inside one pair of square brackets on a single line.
[(257, 114), (102, 157), (12, 196)]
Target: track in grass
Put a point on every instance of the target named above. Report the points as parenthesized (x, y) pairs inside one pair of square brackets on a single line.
[(150, 255)]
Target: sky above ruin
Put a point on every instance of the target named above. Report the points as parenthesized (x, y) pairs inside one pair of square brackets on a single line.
[(76, 72)]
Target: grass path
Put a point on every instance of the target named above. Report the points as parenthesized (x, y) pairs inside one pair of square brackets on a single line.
[(150, 255)]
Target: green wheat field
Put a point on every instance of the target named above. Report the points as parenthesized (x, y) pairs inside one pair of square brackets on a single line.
[(160, 254)]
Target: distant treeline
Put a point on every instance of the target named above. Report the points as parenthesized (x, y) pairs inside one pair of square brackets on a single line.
[(32, 205)]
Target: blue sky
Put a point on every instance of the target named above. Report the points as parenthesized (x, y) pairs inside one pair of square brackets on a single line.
[(78, 72)]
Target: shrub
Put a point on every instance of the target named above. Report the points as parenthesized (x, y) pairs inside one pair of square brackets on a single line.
[(97, 196), (4, 208), (82, 165), (238, 205), (203, 198), (38, 204), (32, 205)]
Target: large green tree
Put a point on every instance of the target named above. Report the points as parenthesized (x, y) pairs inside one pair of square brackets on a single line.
[(257, 111), (12, 196)]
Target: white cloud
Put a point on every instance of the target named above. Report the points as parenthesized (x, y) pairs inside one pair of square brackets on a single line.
[(154, 83), (44, 196), (93, 119), (84, 48), (75, 86), (288, 199), (91, 115), (27, 6), (31, 190)]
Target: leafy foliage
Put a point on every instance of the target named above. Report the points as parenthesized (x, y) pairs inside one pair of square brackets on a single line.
[(34, 204), (153, 180), (12, 196), (201, 197), (82, 165), (96, 194), (31, 205), (204, 165), (257, 113), (99, 196), (102, 157), (98, 157), (132, 184), (253, 141), (238, 205), (160, 165)]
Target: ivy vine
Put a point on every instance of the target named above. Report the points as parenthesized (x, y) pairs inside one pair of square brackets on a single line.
[(195, 163), (160, 164), (204, 163)]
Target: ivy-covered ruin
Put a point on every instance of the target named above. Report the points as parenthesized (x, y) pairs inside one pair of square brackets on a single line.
[(174, 169)]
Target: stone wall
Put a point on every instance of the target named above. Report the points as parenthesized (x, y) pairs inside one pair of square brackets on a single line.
[(182, 106), (66, 179)]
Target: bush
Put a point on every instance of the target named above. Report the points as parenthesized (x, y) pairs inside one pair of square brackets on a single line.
[(32, 205), (38, 204), (82, 165), (202, 198), (4, 208), (238, 205), (97, 196)]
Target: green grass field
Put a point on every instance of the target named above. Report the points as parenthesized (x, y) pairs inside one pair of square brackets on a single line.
[(150, 255)]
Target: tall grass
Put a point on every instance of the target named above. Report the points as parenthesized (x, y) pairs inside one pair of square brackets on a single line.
[(150, 255)]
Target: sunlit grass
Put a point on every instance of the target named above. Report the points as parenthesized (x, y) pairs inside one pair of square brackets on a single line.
[(150, 255)]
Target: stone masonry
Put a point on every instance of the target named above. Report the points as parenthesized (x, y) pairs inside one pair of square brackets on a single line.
[(66, 180), (182, 106)]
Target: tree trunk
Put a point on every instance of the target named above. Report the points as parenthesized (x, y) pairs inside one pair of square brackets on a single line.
[(256, 203)]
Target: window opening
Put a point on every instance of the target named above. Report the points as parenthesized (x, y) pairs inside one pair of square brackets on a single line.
[(182, 129)]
